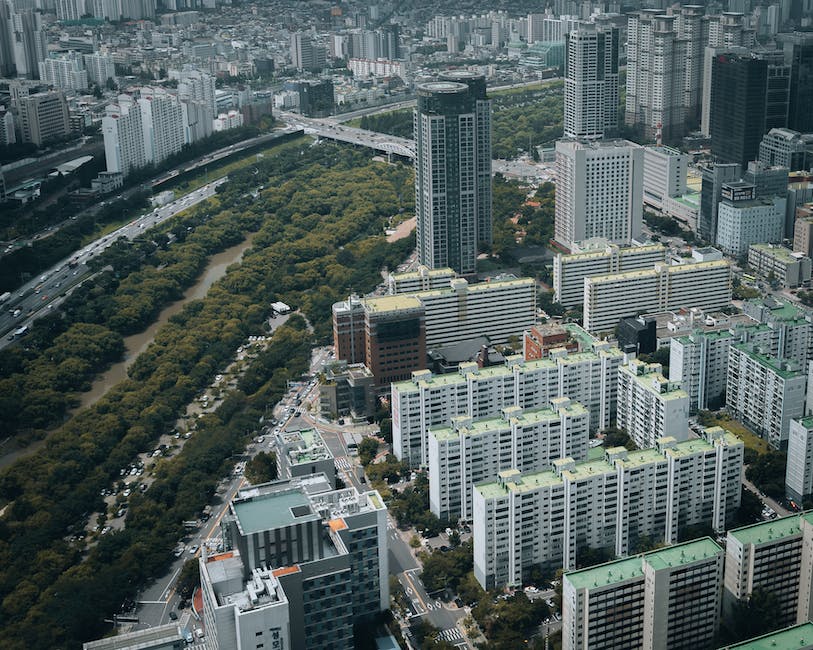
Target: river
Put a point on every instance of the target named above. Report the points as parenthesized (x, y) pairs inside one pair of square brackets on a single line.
[(137, 343)]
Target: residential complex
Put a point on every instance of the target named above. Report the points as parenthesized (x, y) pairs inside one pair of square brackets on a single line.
[(598, 191), (474, 451), (570, 270), (799, 471), (611, 297), (591, 81), (798, 637), (668, 598), (523, 520), (650, 407), (764, 392), (768, 557), (302, 563), (429, 401)]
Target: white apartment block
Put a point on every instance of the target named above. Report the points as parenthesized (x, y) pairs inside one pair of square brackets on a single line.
[(162, 124), (742, 223), (123, 136), (100, 68), (664, 174), (767, 556), (421, 279), (499, 308), (599, 188), (428, 401), (764, 393), (649, 405), (64, 73), (790, 269), (591, 81), (799, 471), (377, 68), (609, 298), (474, 451), (522, 520), (668, 598), (569, 271)]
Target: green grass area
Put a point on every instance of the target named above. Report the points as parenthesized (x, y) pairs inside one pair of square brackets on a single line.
[(751, 440), (525, 89)]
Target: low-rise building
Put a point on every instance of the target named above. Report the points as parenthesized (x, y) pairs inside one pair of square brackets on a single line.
[(649, 405), (540, 340), (302, 453), (347, 389), (421, 279), (764, 392), (547, 518), (668, 598), (609, 298), (474, 451), (789, 269), (799, 470)]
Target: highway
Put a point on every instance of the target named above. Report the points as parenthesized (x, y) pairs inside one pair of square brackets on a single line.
[(46, 292)]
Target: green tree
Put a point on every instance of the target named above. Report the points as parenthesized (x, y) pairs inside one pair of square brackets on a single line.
[(758, 615), (262, 468), (188, 578), (368, 448)]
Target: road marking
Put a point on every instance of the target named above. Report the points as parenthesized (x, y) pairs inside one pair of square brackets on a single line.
[(417, 593), (171, 580), (450, 634)]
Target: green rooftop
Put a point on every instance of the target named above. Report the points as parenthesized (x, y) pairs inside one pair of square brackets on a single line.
[(588, 469), (604, 575), (807, 422), (640, 458), (686, 553), (767, 531), (781, 367), (648, 377), (798, 637), (777, 252), (698, 445), (272, 510)]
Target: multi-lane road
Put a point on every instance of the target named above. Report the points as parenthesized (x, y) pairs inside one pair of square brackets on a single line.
[(47, 291)]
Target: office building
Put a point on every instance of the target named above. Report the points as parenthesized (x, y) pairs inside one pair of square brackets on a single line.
[(347, 389), (798, 50), (779, 264), (429, 401), (664, 175), (743, 220), (599, 191), (749, 97), (668, 598), (714, 176), (315, 96), (591, 81), (765, 393), (650, 407), (307, 55), (43, 117), (548, 518), (64, 73), (302, 563), (767, 557), (787, 148), (803, 230), (123, 136), (570, 270), (475, 451), (303, 453), (609, 298), (799, 470), (452, 135)]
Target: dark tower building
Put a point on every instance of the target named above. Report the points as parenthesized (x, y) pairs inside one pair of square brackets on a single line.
[(447, 175), (798, 48)]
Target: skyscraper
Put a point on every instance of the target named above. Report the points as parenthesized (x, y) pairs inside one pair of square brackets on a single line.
[(451, 136), (27, 41), (798, 49), (591, 81), (599, 191)]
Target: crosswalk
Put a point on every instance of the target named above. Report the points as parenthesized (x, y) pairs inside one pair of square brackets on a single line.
[(451, 634), (343, 464)]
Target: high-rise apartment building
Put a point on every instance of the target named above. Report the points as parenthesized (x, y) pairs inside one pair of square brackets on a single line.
[(123, 136), (302, 564), (70, 9), (764, 392), (162, 124), (591, 81), (474, 451), (28, 45), (100, 68), (668, 598), (430, 401), (43, 117), (599, 191), (548, 518), (609, 298), (452, 135), (799, 470), (569, 271), (768, 557), (196, 85), (650, 407), (64, 73)]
